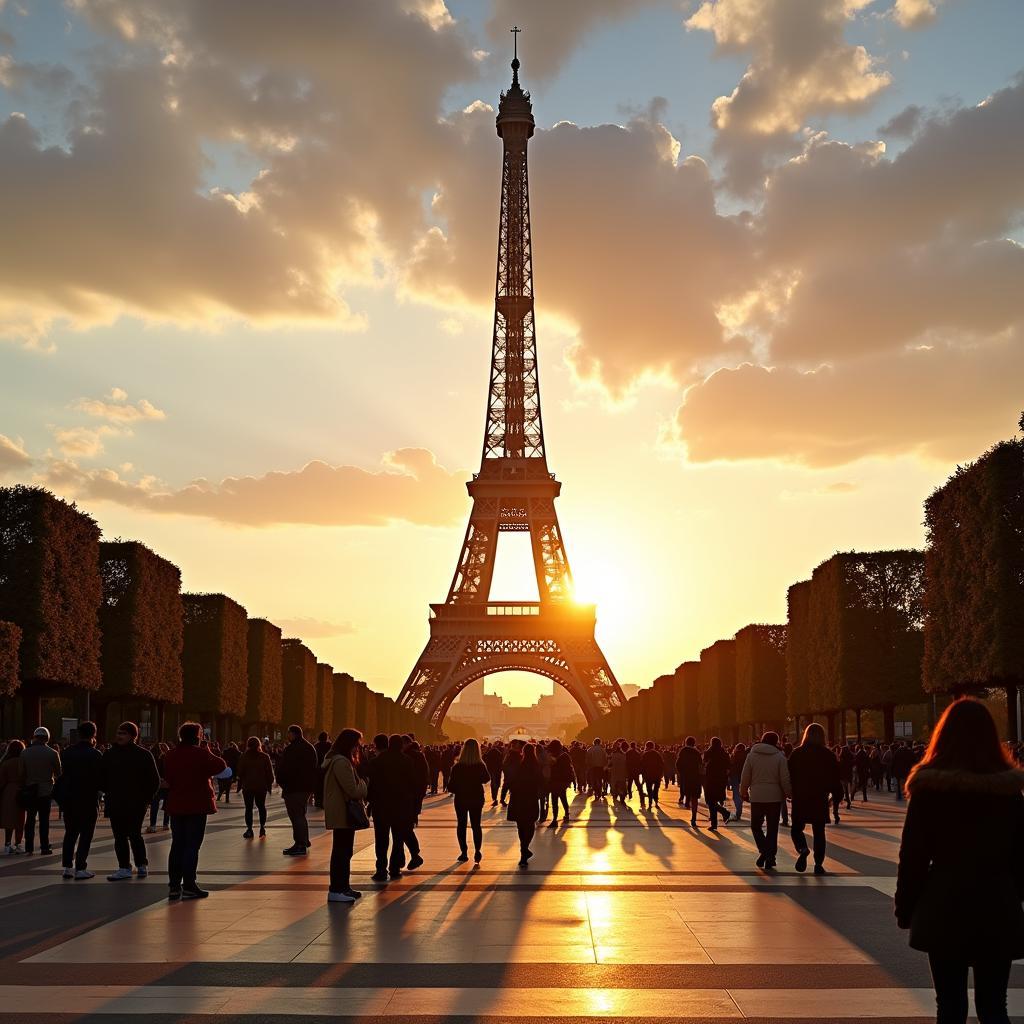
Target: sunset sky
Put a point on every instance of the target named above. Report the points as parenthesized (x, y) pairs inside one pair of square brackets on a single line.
[(247, 268)]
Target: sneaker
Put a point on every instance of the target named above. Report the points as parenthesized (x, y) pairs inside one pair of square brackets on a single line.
[(801, 861), (379, 876), (295, 851), (174, 892), (69, 873), (18, 850), (83, 874), (119, 875), (8, 850), (354, 893), (416, 862), (142, 870), (46, 851), (340, 897), (193, 892), (248, 834)]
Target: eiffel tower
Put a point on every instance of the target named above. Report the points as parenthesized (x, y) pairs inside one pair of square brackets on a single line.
[(471, 636)]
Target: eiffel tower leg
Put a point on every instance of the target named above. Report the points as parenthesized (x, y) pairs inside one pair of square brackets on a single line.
[(589, 665), (430, 677)]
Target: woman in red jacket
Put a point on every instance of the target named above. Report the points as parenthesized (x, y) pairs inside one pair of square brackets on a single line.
[(188, 769)]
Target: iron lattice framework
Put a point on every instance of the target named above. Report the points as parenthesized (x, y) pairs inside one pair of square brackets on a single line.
[(470, 636)]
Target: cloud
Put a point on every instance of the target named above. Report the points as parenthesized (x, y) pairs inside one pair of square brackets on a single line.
[(801, 65), (13, 456), (19, 77), (904, 124), (117, 409), (82, 442), (915, 13), (410, 487), (945, 403), (314, 629)]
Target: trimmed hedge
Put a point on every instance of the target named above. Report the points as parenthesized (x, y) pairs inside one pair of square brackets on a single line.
[(324, 698), (799, 637), (761, 674), (343, 701), (688, 683), (298, 666), (266, 682), (50, 586), (10, 641), (716, 699), (142, 620), (215, 658)]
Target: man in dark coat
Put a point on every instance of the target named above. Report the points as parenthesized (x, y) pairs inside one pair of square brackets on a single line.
[(298, 775), (130, 781), (814, 777), (78, 796), (902, 762), (393, 791), (493, 758), (688, 768)]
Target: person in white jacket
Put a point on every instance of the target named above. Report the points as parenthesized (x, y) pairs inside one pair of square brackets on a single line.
[(764, 782)]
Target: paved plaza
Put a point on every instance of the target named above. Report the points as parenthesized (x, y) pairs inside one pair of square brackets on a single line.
[(622, 914)]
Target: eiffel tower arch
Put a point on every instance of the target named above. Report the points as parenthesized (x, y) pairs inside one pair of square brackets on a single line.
[(514, 491)]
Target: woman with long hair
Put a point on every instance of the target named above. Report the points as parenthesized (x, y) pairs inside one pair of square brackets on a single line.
[(255, 776), (716, 778), (344, 796), (814, 776), (523, 801), (466, 783), (12, 814), (961, 872)]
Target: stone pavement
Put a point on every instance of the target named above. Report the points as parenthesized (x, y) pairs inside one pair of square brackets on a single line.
[(622, 915)]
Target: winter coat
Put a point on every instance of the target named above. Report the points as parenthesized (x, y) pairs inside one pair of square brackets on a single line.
[(392, 788), (341, 784), (466, 784), (493, 761), (960, 880), (617, 770), (42, 767), (902, 762), (562, 773), (597, 756), (298, 769), (814, 778), (765, 775), (130, 779), (633, 759), (421, 771), (716, 774), (846, 764), (524, 795), (12, 778), (187, 772), (651, 765), (255, 772), (81, 780), (689, 770)]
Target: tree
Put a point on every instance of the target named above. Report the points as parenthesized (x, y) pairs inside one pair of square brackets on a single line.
[(717, 690), (974, 603), (299, 669), (215, 658), (265, 693), (688, 683), (10, 641), (142, 621), (761, 675), (50, 587), (324, 697), (344, 701), (663, 713), (798, 649)]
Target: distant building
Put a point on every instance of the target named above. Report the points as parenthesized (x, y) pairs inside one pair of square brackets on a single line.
[(554, 715)]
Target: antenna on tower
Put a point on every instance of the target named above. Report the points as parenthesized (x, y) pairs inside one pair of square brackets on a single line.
[(515, 30)]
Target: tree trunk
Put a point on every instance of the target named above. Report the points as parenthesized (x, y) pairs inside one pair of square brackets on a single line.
[(857, 713), (889, 723)]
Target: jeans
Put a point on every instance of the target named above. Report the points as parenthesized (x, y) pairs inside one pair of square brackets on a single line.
[(128, 841), (187, 832), (495, 785), (40, 807), (295, 805), (341, 858), (473, 813), (760, 814), (79, 826), (260, 800), (796, 833), (526, 830), (949, 977), (386, 834)]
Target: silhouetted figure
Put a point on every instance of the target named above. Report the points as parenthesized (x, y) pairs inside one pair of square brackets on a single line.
[(652, 767), (298, 775), (961, 871), (736, 759), (256, 778), (78, 796), (562, 777), (523, 803), (493, 758), (12, 781), (130, 781), (618, 776), (814, 777), (690, 771), (344, 793), (466, 781), (42, 769), (902, 766), (322, 748), (513, 759), (393, 793), (846, 763), (764, 781), (597, 763), (716, 778)]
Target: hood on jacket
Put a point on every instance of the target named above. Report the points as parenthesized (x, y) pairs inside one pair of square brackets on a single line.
[(765, 748), (956, 780)]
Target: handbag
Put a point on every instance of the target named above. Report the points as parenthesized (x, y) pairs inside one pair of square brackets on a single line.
[(356, 814)]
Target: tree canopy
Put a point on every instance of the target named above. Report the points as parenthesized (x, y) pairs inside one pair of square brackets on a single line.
[(761, 674), (717, 690), (215, 658), (324, 697), (299, 670), (264, 698), (10, 641)]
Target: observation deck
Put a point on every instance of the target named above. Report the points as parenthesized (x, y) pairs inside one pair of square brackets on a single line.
[(534, 619)]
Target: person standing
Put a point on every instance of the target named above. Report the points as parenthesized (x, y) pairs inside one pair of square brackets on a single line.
[(421, 773), (79, 791), (188, 769), (716, 778), (959, 885), (344, 793), (764, 781), (736, 760), (814, 779), (902, 766), (322, 748), (466, 783), (492, 759), (12, 782), (42, 769), (523, 802), (562, 777), (652, 767), (392, 794), (689, 770), (298, 775), (129, 781), (255, 778), (597, 762), (618, 778)]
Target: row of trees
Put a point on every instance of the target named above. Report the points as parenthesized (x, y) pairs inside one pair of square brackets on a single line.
[(870, 631), (103, 626)]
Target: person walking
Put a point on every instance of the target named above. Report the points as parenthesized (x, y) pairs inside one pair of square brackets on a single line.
[(716, 778), (959, 887), (421, 773), (562, 777), (523, 802), (764, 782), (493, 759), (188, 769), (130, 781), (344, 814), (42, 769), (689, 770), (902, 766), (79, 793), (815, 783), (12, 783), (298, 775), (736, 760), (652, 767), (255, 774), (392, 794), (597, 763), (466, 783)]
